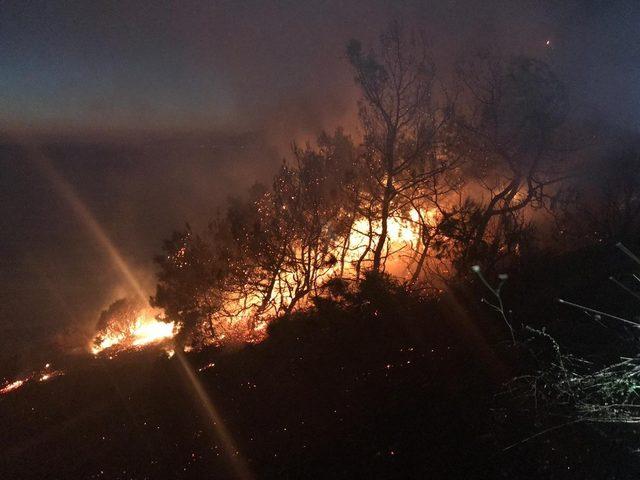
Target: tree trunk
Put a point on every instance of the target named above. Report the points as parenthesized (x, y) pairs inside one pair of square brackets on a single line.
[(421, 260), (386, 207)]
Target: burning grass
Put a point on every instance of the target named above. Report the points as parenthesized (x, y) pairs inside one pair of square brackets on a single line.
[(43, 375)]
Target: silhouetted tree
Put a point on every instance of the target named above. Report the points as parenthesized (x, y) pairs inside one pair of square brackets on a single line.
[(464, 177), (399, 120), (603, 204), (190, 280), (510, 124)]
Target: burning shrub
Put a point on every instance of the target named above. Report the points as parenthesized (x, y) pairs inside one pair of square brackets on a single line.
[(129, 324), (432, 189)]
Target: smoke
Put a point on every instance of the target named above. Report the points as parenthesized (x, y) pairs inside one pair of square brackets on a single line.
[(155, 115), (56, 277)]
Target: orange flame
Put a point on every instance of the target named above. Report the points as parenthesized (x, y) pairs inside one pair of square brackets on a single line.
[(145, 329), (244, 317), (41, 376)]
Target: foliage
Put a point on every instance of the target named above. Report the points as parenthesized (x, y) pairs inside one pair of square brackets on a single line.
[(440, 180), (580, 388), (190, 280), (603, 204)]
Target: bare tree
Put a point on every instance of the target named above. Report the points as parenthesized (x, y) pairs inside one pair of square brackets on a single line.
[(603, 205), (399, 120), (511, 135)]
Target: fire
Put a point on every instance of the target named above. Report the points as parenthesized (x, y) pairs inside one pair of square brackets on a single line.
[(145, 329), (10, 387), (41, 376), (245, 315), (403, 238), (149, 330)]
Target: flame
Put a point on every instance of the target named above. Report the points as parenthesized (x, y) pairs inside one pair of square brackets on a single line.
[(245, 315), (41, 376), (145, 329), (10, 387), (149, 330)]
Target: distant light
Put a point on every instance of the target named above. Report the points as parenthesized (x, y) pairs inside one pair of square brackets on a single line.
[(548, 43)]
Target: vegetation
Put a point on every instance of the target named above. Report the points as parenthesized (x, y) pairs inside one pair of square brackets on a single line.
[(471, 173), (441, 179), (377, 381), (360, 269), (365, 244)]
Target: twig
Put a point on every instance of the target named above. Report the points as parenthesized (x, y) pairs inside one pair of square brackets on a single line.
[(625, 288), (598, 312), (550, 429), (628, 252), (496, 293)]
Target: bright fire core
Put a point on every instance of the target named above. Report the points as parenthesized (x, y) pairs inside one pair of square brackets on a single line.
[(146, 329), (144, 326)]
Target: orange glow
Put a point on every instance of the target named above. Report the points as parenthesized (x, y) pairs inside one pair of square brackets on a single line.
[(245, 318), (245, 315), (12, 386), (145, 329), (49, 375), (41, 376)]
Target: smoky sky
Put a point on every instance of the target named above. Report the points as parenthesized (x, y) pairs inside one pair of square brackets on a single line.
[(243, 64), (155, 112)]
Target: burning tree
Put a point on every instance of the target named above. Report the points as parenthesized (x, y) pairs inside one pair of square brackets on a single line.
[(192, 272), (283, 237), (431, 184), (510, 128), (268, 252), (401, 124)]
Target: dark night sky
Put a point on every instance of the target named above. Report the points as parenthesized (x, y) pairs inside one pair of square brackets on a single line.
[(159, 110), (149, 65)]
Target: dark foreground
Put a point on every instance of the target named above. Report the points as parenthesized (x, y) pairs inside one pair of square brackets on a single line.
[(379, 386)]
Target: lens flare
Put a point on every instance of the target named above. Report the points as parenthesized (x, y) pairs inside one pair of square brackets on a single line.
[(235, 458), (67, 192)]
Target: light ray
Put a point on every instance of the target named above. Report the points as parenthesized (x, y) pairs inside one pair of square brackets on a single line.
[(67, 192), (234, 456)]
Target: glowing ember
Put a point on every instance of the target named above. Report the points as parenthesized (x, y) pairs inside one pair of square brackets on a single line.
[(12, 386), (207, 367), (49, 375), (41, 376)]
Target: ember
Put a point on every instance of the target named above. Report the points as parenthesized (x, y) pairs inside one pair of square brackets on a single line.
[(41, 376), (12, 386)]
